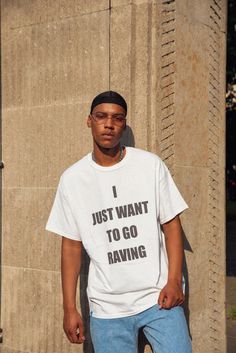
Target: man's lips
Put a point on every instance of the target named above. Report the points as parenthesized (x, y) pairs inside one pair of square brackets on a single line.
[(108, 135)]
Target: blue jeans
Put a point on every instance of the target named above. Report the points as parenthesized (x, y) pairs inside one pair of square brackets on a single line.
[(166, 331)]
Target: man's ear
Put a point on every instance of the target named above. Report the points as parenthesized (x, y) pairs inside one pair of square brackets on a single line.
[(89, 121)]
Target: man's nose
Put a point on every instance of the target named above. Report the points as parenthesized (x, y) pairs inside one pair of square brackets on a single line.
[(109, 122)]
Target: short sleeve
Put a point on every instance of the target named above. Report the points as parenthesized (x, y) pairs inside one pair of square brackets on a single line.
[(61, 220), (171, 201)]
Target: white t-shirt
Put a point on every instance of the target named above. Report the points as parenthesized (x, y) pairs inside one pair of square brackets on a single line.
[(116, 212)]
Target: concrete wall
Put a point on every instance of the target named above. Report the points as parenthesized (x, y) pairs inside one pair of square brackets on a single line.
[(168, 59)]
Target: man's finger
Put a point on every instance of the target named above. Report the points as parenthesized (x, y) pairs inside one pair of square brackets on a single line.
[(180, 300), (73, 338), (162, 298), (80, 332), (170, 302)]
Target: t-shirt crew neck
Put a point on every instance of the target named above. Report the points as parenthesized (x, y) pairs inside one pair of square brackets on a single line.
[(112, 167), (118, 217)]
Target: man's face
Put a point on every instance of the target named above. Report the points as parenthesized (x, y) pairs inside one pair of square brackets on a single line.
[(106, 124)]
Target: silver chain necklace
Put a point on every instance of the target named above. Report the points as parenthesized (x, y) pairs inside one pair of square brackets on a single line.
[(120, 157)]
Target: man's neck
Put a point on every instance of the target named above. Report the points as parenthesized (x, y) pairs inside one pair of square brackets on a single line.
[(107, 156)]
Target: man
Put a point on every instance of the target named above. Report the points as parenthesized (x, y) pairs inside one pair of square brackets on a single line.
[(118, 202)]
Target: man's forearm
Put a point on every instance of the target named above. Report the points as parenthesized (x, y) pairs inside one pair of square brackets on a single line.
[(174, 247), (71, 252)]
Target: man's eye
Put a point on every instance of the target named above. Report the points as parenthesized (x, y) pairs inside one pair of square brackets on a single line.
[(119, 117), (100, 116)]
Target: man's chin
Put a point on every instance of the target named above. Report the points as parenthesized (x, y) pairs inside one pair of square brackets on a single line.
[(107, 144)]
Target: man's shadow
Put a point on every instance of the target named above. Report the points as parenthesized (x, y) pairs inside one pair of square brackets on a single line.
[(127, 140)]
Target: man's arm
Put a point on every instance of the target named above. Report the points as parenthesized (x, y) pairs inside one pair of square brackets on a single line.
[(71, 253), (172, 294)]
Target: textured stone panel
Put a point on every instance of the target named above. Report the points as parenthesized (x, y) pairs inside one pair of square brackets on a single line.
[(115, 3), (216, 197), (120, 63), (167, 78), (204, 12), (60, 62), (39, 143), (121, 3), (25, 241), (192, 182), (191, 104), (32, 311), (17, 14), (133, 65), (10, 350)]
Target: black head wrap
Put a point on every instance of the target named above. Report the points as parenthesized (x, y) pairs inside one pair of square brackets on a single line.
[(109, 97)]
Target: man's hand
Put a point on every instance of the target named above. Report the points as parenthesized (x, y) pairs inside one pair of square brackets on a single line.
[(73, 327), (71, 255), (171, 295)]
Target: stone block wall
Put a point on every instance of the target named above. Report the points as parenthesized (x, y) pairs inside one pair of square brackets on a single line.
[(167, 57)]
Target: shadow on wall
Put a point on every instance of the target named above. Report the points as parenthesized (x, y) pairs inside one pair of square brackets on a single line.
[(127, 140), (187, 247)]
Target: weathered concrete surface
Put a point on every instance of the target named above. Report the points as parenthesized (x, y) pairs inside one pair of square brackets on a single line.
[(168, 59), (54, 60), (175, 85)]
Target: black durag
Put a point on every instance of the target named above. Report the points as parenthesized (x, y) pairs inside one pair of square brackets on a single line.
[(109, 97)]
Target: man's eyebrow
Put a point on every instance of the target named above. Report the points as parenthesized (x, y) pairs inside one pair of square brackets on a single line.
[(121, 113)]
